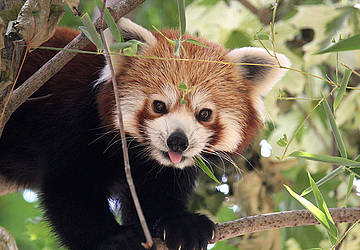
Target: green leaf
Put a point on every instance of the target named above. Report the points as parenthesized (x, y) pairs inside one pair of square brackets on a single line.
[(351, 43), (122, 45), (338, 138), (282, 142), (182, 18), (332, 230), (182, 86), (343, 84), (158, 31), (131, 51), (325, 179), (110, 22), (205, 168), (326, 158), (183, 101), (90, 31), (195, 42), (88, 35), (262, 37), (318, 214)]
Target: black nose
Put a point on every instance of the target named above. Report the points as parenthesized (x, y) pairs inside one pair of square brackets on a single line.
[(177, 142)]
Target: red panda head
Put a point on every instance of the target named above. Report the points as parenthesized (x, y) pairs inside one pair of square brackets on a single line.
[(223, 104)]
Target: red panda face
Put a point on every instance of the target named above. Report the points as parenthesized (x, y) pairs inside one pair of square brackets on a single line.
[(223, 104)]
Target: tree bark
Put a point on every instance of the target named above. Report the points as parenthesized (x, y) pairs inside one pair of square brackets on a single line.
[(7, 242), (262, 222)]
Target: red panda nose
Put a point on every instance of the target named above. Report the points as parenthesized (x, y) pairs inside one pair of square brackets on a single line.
[(177, 142)]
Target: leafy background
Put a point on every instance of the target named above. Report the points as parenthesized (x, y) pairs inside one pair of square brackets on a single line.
[(255, 186)]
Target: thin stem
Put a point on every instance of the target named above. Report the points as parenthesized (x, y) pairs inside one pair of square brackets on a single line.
[(201, 60), (149, 241), (299, 127), (272, 27), (12, 90)]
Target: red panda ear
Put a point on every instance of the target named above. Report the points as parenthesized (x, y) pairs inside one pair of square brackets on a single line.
[(263, 77), (130, 31)]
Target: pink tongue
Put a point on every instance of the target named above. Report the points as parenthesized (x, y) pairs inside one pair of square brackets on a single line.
[(175, 157)]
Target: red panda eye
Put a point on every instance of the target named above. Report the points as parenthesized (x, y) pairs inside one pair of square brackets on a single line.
[(159, 107), (204, 115)]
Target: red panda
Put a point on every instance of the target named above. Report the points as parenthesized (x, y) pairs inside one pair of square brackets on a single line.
[(66, 145)]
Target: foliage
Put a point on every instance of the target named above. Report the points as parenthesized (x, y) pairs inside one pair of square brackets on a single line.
[(313, 114)]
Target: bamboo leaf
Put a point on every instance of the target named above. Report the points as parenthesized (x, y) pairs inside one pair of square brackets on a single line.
[(326, 158), (332, 231), (182, 18), (261, 37), (195, 42), (318, 214), (342, 89), (88, 35), (205, 168), (182, 86), (158, 31), (282, 142), (325, 179), (110, 23), (351, 43), (90, 31), (122, 45), (338, 138)]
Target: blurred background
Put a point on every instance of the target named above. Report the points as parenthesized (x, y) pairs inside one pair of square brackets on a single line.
[(254, 184)]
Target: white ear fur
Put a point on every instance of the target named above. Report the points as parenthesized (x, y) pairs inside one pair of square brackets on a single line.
[(263, 77), (129, 30)]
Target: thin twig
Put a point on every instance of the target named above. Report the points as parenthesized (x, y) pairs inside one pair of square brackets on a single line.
[(7, 241), (200, 60), (344, 235), (312, 125), (272, 27), (250, 7), (299, 127), (149, 241), (12, 90)]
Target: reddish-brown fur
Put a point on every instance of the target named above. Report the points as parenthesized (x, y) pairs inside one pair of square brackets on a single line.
[(229, 91)]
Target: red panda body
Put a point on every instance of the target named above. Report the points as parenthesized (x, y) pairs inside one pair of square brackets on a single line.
[(65, 143)]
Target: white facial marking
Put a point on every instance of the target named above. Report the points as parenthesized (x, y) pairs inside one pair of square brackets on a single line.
[(130, 105), (231, 133)]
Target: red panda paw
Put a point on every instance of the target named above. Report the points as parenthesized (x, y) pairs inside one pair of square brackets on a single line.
[(187, 231), (130, 238)]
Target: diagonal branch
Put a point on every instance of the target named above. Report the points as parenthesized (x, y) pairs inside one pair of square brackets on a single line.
[(29, 87), (263, 222)]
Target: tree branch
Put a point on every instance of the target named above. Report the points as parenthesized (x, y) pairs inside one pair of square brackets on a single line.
[(6, 240), (29, 87), (263, 222), (264, 14)]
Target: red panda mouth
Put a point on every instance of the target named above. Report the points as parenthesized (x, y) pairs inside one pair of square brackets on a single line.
[(173, 156)]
